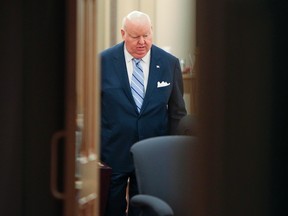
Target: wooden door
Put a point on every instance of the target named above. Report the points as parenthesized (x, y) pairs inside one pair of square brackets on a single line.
[(87, 109), (81, 135)]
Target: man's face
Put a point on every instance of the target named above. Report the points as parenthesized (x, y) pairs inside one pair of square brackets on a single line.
[(138, 38)]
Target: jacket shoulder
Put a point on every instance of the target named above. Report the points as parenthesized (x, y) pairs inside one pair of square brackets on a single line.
[(161, 52)]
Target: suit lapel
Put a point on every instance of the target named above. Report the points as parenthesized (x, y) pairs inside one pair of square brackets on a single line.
[(119, 65), (155, 73)]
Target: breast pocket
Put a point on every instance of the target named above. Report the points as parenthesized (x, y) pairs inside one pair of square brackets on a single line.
[(162, 94)]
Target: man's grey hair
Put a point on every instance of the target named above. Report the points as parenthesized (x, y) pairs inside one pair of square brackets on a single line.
[(135, 15)]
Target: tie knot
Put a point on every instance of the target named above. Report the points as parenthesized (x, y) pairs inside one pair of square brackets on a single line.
[(136, 60)]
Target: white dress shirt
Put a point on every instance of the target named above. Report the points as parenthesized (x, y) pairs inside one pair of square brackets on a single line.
[(145, 63)]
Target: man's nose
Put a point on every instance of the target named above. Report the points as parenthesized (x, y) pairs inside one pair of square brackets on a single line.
[(141, 40)]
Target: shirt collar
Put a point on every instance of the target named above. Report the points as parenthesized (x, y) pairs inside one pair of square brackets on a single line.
[(129, 57)]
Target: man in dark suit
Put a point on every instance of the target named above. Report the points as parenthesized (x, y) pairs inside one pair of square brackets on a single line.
[(125, 120)]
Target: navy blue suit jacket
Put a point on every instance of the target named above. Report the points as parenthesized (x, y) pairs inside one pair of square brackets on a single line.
[(121, 124)]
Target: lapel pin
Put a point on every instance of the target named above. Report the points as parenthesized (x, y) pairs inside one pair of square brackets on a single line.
[(157, 66)]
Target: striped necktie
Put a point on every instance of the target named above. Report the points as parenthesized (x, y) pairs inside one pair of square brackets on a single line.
[(137, 83)]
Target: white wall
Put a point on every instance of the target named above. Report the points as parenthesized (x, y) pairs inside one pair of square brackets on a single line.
[(174, 28)]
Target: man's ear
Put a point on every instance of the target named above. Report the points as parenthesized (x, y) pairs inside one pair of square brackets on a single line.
[(123, 33)]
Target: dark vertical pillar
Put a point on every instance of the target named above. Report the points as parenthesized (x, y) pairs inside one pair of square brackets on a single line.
[(242, 110), (279, 103), (32, 68), (11, 106), (43, 113)]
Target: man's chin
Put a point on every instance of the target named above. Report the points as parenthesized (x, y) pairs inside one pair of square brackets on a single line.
[(141, 54)]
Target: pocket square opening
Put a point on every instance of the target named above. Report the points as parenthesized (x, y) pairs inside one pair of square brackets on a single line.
[(162, 84)]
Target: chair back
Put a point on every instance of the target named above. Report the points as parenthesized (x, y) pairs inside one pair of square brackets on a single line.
[(164, 169)]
